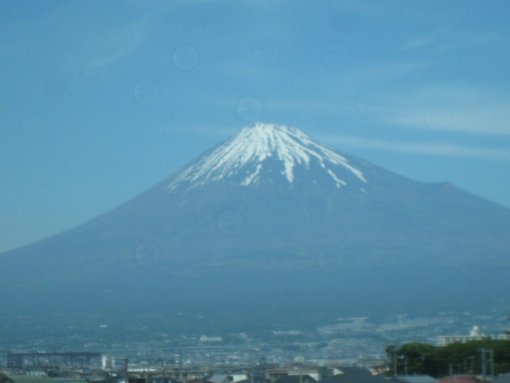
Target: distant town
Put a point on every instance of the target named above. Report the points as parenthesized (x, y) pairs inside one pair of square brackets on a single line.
[(353, 349)]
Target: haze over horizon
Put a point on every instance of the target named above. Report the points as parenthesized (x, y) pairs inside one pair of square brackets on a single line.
[(101, 100)]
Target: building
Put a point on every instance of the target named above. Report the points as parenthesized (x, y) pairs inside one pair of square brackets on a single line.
[(474, 334)]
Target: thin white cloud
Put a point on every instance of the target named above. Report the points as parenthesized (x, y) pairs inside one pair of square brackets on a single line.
[(386, 72), (441, 39), (481, 119), (429, 148), (117, 44), (461, 110), (90, 46), (221, 132), (418, 42)]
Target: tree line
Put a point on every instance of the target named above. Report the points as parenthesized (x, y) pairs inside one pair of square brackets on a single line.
[(481, 357)]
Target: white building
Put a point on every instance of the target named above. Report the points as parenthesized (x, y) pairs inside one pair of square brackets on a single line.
[(474, 334)]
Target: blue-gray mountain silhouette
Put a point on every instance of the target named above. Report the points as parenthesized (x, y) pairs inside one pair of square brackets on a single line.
[(272, 228)]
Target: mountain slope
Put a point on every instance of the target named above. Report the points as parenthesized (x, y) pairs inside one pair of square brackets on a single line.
[(286, 221)]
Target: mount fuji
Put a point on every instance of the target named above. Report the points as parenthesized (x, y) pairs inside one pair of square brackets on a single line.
[(271, 228)]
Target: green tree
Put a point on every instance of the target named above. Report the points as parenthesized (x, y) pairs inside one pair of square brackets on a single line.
[(457, 358)]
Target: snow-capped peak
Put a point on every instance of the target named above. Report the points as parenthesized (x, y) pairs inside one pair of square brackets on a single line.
[(245, 155)]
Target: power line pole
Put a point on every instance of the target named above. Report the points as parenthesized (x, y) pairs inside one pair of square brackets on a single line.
[(484, 362), (491, 359), (394, 363)]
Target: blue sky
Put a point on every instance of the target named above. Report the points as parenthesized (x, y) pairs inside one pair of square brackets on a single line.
[(99, 100)]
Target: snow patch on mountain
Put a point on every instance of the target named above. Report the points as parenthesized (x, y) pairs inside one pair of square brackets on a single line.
[(246, 154)]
